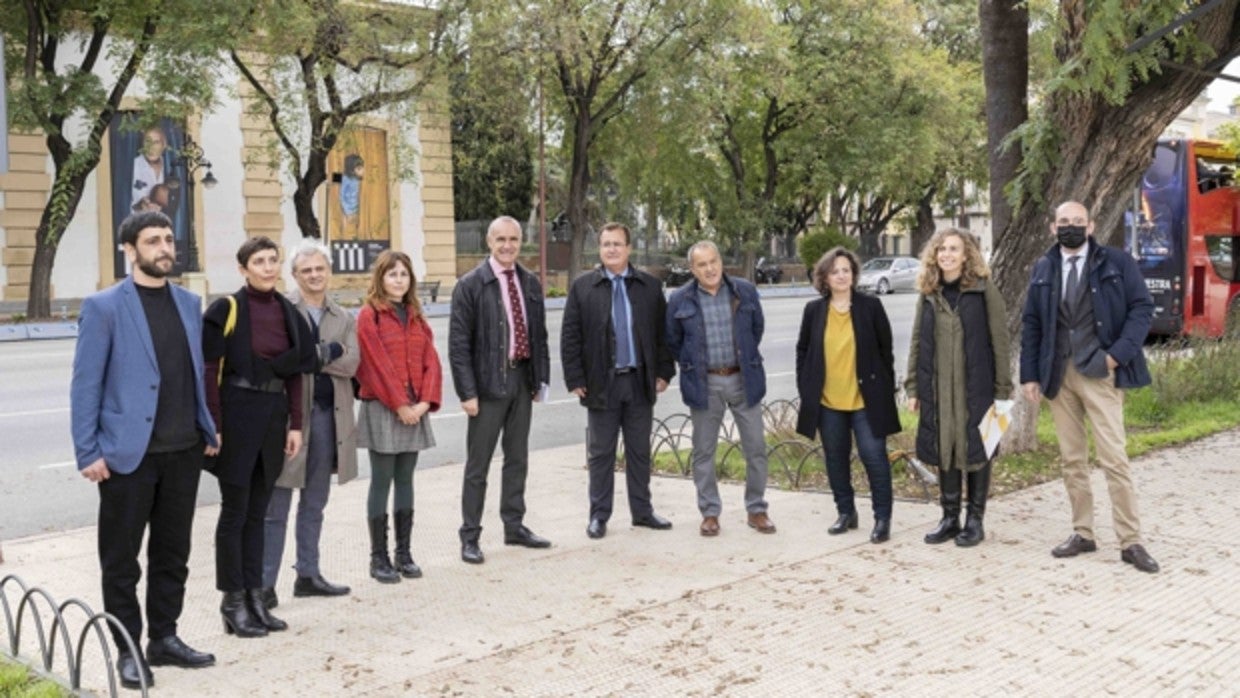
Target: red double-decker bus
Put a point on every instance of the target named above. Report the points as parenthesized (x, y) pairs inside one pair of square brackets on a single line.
[(1184, 231)]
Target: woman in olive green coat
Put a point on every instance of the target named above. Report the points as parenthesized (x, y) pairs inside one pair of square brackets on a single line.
[(958, 366)]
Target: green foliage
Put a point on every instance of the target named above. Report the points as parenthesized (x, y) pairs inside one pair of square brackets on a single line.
[(83, 61), (17, 681), (1088, 60), (1204, 370), (318, 68), (813, 246), (492, 158)]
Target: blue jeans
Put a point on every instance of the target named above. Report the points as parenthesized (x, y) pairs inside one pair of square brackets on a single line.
[(837, 429)]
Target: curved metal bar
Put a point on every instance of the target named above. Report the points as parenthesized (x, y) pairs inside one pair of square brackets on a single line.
[(659, 426), (45, 651), (780, 414), (794, 477), (93, 624), (8, 612), (815, 451), (31, 596), (732, 447), (675, 450)]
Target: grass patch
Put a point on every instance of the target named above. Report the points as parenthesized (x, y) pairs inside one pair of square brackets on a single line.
[(17, 681), (1195, 393)]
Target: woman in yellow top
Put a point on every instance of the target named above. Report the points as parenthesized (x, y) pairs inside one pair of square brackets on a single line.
[(846, 380)]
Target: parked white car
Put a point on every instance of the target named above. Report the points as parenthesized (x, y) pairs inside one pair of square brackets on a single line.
[(884, 275)]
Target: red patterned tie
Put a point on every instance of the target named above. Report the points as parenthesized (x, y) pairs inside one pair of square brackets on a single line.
[(521, 344)]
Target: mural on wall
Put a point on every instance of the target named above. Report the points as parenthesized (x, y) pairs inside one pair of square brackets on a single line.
[(358, 211), (147, 174)]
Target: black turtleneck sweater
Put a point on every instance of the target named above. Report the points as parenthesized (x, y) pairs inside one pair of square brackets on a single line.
[(176, 427)]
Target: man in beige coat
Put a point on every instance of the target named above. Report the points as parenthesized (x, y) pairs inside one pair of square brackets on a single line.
[(329, 440)]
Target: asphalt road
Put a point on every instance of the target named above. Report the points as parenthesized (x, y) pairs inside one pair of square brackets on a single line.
[(40, 489)]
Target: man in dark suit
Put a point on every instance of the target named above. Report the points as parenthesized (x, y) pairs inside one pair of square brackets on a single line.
[(140, 430), (616, 361), (497, 341), (1086, 316)]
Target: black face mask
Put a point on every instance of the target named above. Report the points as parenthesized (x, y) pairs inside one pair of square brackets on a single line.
[(1070, 236)]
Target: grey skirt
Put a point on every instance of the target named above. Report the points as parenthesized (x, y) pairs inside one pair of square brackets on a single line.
[(379, 429)]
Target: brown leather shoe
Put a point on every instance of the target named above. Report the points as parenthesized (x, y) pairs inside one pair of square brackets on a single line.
[(710, 526), (1075, 545), (761, 522)]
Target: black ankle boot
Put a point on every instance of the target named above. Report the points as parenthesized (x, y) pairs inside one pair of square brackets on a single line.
[(259, 611), (881, 532), (380, 566), (843, 524), (404, 560), (949, 498), (237, 617), (979, 488)]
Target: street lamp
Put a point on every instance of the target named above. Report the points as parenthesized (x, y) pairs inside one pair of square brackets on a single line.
[(191, 157)]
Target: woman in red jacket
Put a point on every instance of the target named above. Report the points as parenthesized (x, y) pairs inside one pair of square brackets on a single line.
[(400, 381)]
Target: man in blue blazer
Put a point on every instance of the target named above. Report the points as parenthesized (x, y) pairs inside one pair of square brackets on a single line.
[(140, 430)]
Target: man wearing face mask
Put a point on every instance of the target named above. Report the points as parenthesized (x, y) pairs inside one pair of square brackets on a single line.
[(1086, 316)]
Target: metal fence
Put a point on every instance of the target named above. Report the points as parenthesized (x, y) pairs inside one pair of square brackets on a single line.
[(35, 605)]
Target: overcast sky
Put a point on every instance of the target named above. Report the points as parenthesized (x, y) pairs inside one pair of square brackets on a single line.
[(1222, 92)]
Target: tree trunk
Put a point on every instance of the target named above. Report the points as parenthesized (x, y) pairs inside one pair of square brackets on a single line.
[(303, 204), (924, 228), (1103, 148), (47, 241), (1005, 67), (578, 190)]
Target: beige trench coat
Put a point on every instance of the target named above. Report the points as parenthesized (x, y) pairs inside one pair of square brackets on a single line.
[(338, 326)]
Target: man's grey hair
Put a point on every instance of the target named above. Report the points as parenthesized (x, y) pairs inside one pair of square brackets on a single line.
[(508, 220), (702, 245), (305, 248)]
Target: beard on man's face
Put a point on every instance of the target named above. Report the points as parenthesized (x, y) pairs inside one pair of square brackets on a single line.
[(153, 268)]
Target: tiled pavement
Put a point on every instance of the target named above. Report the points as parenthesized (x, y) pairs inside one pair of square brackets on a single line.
[(799, 613)]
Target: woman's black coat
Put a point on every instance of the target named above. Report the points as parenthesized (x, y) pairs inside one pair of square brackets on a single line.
[(875, 364)]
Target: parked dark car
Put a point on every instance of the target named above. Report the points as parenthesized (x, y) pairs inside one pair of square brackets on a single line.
[(766, 272)]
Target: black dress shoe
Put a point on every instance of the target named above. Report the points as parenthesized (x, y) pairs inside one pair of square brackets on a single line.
[(471, 553), (171, 651), (653, 520), (1075, 545), (270, 600), (317, 586), (128, 667), (843, 523), (881, 532), (1136, 556), (597, 528), (526, 538)]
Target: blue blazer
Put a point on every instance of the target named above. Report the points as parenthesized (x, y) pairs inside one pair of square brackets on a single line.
[(115, 387)]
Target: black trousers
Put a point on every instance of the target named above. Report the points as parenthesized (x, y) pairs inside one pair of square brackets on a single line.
[(511, 416), (240, 532), (628, 411), (161, 494)]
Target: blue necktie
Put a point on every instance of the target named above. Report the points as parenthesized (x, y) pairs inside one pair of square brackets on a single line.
[(620, 316)]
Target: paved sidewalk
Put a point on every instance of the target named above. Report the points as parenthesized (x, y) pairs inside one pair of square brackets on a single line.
[(653, 613)]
